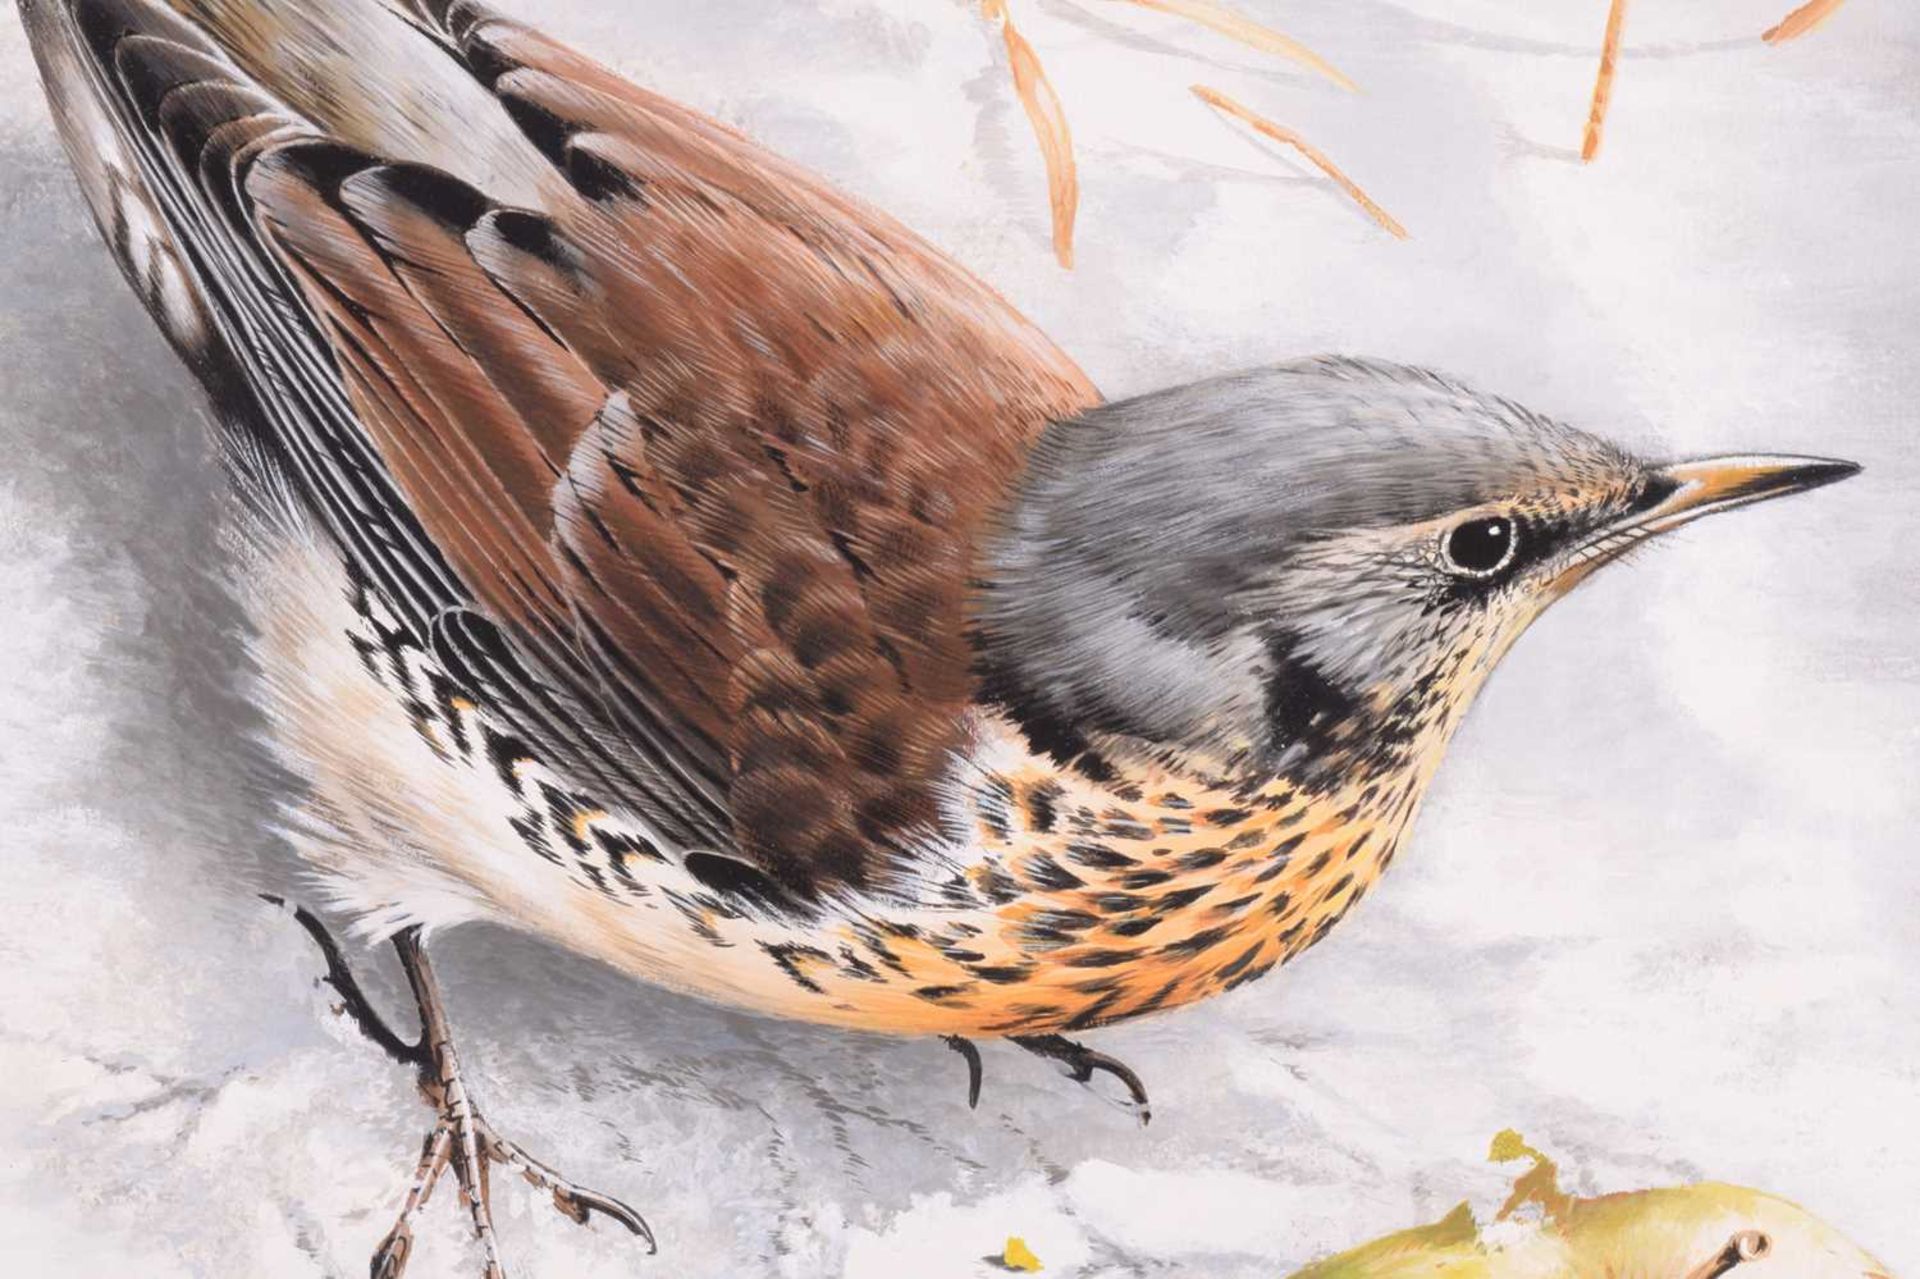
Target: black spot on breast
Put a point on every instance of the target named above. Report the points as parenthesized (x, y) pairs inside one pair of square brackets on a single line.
[(993, 802), (1025, 1017), (1252, 974), (1099, 958), (1067, 921), (1181, 898), (787, 956), (1094, 1013), (1003, 974), (1203, 859), (881, 951), (1098, 985), (942, 994), (997, 886), (1245, 957), (1043, 806), (1134, 927), (857, 968), (1045, 872), (1203, 940), (1098, 856)]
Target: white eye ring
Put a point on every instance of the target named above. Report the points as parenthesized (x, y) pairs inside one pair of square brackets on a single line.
[(1480, 547)]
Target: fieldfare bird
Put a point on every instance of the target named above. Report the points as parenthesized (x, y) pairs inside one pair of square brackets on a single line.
[(655, 550)]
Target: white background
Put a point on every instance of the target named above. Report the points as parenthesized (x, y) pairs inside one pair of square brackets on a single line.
[(1659, 914)]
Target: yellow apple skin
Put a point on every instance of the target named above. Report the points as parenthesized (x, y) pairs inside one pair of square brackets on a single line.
[(1704, 1231)]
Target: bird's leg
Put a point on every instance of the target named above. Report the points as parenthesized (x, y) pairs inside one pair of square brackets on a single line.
[(1080, 1063), (445, 1089), (461, 1138)]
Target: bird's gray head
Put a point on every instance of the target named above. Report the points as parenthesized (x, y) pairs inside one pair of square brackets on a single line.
[(1308, 566)]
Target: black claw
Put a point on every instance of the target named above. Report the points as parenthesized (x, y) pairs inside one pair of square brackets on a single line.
[(580, 1204), (354, 1000), (965, 1048), (1081, 1062), (391, 1261)]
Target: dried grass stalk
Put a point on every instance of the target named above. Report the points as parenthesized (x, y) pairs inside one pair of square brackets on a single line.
[(1287, 137), (1603, 83), (1802, 20), (1049, 130), (1215, 16)]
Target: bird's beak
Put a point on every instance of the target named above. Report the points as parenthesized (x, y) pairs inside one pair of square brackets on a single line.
[(1723, 483), (1685, 491)]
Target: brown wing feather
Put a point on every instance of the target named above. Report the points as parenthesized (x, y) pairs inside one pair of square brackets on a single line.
[(822, 404), (698, 432)]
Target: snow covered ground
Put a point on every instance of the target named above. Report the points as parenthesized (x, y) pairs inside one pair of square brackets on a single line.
[(1659, 915)]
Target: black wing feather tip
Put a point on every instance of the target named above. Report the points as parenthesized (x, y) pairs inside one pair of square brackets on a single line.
[(434, 192), (596, 177), (530, 233), (318, 162), (104, 23), (151, 67)]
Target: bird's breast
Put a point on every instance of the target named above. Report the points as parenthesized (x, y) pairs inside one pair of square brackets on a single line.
[(1082, 901)]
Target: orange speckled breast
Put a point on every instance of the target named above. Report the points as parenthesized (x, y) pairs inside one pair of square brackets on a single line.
[(1090, 902)]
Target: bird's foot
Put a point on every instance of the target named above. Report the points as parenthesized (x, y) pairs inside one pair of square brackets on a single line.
[(464, 1142), (1078, 1061), (461, 1138), (1081, 1064)]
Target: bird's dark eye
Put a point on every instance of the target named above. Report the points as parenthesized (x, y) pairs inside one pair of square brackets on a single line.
[(1481, 547)]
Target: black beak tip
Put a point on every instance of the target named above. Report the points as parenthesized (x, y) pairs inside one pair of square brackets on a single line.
[(1818, 473)]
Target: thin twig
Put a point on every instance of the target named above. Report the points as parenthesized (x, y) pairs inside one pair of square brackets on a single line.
[(1802, 20), (1287, 137), (1215, 16), (1049, 123), (1603, 82)]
